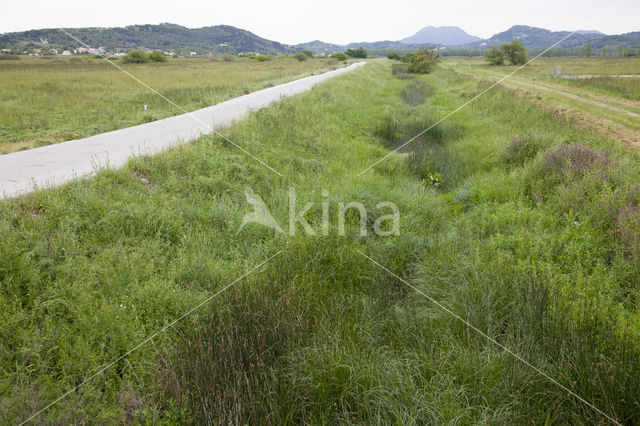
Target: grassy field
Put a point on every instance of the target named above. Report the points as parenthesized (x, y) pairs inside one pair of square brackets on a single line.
[(544, 68), (628, 88), (511, 217), (49, 100)]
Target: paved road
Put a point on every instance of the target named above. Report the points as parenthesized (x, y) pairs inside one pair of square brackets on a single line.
[(52, 165)]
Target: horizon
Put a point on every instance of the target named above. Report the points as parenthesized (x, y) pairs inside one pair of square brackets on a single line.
[(287, 22)]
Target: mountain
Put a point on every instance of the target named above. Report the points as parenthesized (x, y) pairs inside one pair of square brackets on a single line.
[(218, 39), (590, 32), (628, 40), (446, 36), (533, 37), (320, 47)]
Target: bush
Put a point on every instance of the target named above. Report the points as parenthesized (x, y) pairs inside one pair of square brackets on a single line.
[(401, 71), (9, 57), (301, 56), (136, 57), (360, 52), (340, 56), (494, 55), (516, 52), (521, 149), (395, 56), (423, 61), (157, 56), (263, 58), (308, 52), (228, 57), (174, 56), (406, 58)]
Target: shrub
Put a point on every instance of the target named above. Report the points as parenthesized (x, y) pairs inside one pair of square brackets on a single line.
[(340, 56), (406, 58), (401, 71), (415, 93), (628, 229), (135, 57), (157, 56), (301, 56), (227, 57), (394, 56), (9, 57), (423, 61), (494, 55), (568, 164), (307, 52), (263, 58), (516, 52), (521, 149), (360, 52), (174, 56)]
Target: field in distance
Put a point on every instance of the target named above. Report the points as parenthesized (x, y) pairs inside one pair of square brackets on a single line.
[(598, 93), (45, 101)]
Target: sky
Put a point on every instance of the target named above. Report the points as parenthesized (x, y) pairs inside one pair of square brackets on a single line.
[(332, 21)]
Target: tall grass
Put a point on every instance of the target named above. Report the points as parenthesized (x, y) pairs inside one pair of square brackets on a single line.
[(44, 102), (320, 334)]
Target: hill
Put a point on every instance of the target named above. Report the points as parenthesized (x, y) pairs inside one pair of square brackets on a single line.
[(446, 36), (533, 37), (218, 39), (628, 40)]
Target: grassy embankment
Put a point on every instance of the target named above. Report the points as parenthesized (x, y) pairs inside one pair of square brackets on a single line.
[(542, 70), (534, 240), (49, 100)]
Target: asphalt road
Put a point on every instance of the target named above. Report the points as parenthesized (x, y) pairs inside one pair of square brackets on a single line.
[(22, 172)]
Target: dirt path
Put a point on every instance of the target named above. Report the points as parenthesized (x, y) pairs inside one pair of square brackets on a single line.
[(576, 97), (52, 165)]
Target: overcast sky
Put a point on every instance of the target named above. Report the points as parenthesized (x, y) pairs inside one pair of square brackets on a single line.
[(333, 21)]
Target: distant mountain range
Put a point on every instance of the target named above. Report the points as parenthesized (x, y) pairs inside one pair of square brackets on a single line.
[(446, 36), (227, 39)]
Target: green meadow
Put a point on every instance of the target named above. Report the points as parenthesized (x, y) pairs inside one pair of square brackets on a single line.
[(53, 99), (511, 218)]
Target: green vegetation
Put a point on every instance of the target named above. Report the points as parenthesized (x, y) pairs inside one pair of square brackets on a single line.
[(301, 57), (494, 55), (308, 53), (136, 57), (218, 39), (92, 96), (395, 56), (360, 52), (518, 222), (628, 88), (157, 56), (340, 56), (515, 52), (422, 61)]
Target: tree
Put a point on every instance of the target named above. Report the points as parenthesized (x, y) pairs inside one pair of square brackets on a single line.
[(394, 56), (516, 52), (360, 52), (340, 56), (423, 61), (308, 52), (494, 55), (135, 57), (587, 50), (301, 56), (157, 56)]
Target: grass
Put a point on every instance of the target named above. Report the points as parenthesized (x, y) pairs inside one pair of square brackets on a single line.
[(508, 241), (44, 101), (543, 70), (628, 88)]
